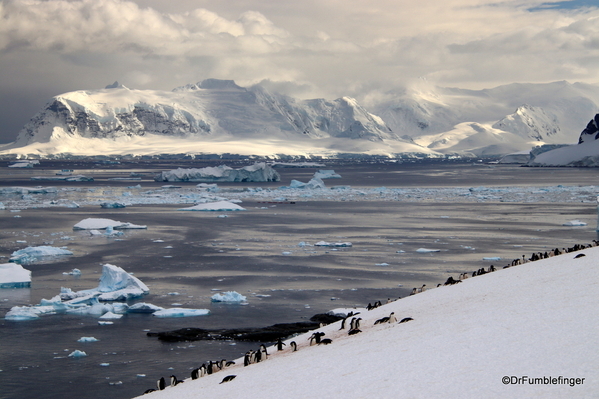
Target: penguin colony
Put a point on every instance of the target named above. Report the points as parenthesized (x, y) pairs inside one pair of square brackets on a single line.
[(262, 354)]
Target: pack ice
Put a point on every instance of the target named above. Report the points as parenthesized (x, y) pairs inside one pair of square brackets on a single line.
[(214, 206), (14, 276), (259, 172), (101, 224)]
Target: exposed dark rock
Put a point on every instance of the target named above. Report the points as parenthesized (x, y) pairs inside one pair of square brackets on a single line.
[(256, 334)]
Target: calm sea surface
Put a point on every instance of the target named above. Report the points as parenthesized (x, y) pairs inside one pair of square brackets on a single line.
[(185, 257)]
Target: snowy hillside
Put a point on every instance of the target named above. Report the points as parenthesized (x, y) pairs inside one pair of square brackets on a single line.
[(534, 114), (526, 331), (212, 116), (585, 153)]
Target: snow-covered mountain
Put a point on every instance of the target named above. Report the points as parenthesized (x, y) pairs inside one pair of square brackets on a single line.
[(585, 153), (218, 116), (501, 120), (212, 116)]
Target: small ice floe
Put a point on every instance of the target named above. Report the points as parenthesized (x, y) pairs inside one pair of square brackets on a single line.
[(101, 224), (13, 275), (77, 353), (381, 264), (104, 364), (32, 254), (400, 252), (105, 323), (574, 223), (220, 206), (112, 205), (427, 250), (333, 244), (315, 183), (181, 312), (492, 258), (116, 383), (287, 253), (228, 296), (327, 174), (74, 272), (88, 339), (111, 316)]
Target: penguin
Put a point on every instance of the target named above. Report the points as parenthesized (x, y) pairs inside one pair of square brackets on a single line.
[(352, 323), (195, 373), (354, 332), (149, 390), (405, 319), (579, 256), (202, 370), (392, 318), (293, 346), (414, 291), (228, 378), (280, 344), (229, 363), (210, 368), (264, 351), (381, 321), (161, 384), (357, 323), (343, 323), (325, 341), (175, 381), (246, 359), (258, 356)]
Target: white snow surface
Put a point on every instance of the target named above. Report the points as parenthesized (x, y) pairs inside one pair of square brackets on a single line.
[(537, 320), (101, 224)]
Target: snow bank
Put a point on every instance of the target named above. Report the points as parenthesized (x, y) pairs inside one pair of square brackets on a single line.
[(514, 333), (259, 172), (101, 224), (229, 296), (214, 206), (14, 276), (31, 254)]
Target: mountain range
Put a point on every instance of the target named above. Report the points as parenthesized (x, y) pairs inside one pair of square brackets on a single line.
[(219, 117)]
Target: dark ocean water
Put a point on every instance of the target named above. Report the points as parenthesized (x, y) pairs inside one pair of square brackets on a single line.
[(186, 257)]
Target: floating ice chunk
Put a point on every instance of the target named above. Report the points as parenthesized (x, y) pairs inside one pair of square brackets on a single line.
[(20, 313), (104, 364), (101, 224), (120, 308), (74, 272), (333, 244), (105, 323), (181, 312), (77, 353), (382, 264), (112, 205), (111, 316), (574, 223), (220, 206), (115, 285), (229, 296), (315, 183), (259, 172), (14, 276), (65, 178), (492, 258), (327, 174), (88, 339), (31, 254), (426, 250), (144, 308)]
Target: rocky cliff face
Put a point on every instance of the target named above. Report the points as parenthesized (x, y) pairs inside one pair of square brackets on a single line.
[(591, 132)]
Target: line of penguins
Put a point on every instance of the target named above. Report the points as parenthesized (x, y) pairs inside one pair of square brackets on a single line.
[(261, 354)]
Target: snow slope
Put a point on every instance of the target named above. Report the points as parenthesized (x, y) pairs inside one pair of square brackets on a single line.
[(537, 320)]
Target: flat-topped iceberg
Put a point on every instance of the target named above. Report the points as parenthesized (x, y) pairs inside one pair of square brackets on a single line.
[(13, 275), (32, 254), (228, 296), (327, 174), (259, 172), (220, 206), (101, 224), (333, 244), (181, 312)]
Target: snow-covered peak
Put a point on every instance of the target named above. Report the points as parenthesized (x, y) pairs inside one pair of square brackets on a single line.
[(210, 84), (530, 122)]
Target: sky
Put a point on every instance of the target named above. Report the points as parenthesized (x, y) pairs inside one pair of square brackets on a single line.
[(307, 49)]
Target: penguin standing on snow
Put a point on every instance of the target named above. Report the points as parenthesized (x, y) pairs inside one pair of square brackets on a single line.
[(392, 318), (293, 346), (161, 384), (264, 351), (280, 344), (175, 381)]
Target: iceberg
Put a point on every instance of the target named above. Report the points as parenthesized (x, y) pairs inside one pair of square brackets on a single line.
[(333, 244), (20, 313), (112, 205), (181, 312), (31, 254), (77, 353), (327, 174), (426, 250), (116, 284), (229, 296), (143, 307), (111, 316), (88, 339), (574, 223), (101, 224), (311, 185), (13, 275), (220, 206), (259, 172)]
